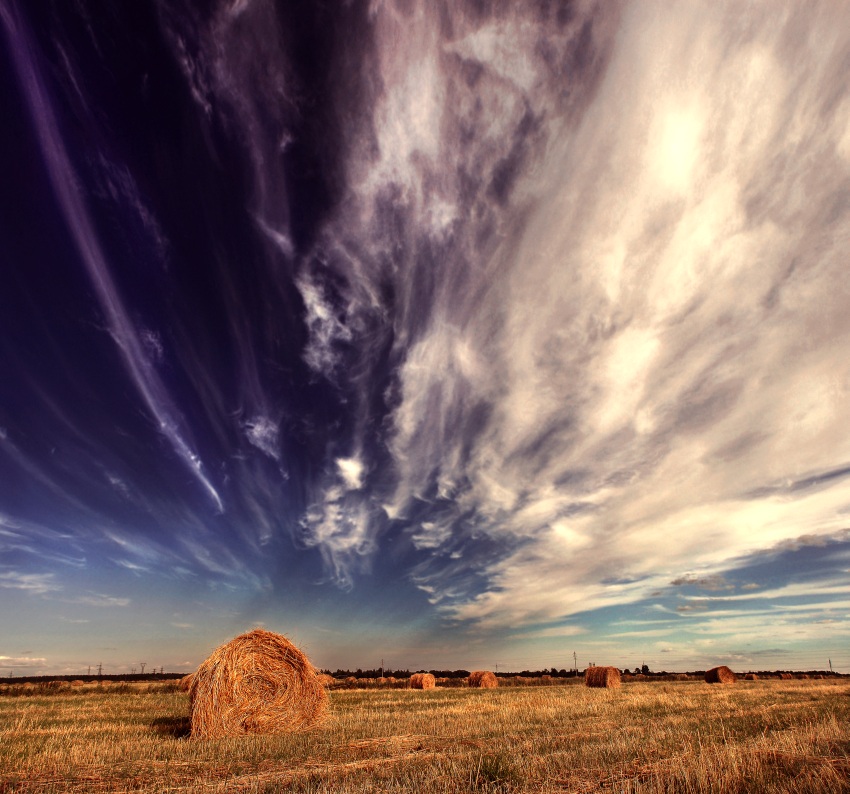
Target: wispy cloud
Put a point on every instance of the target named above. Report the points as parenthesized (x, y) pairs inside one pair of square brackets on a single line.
[(128, 338), (35, 583)]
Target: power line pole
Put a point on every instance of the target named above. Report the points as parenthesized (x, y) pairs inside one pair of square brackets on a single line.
[(143, 667), (575, 663), (100, 669), (830, 665)]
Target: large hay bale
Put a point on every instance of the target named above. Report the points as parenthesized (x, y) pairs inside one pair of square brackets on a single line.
[(259, 682), (720, 675), (483, 679), (602, 677), (422, 681)]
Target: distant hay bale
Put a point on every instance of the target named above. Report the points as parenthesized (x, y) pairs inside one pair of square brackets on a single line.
[(483, 679), (382, 680), (351, 680), (259, 682), (325, 680), (818, 677), (803, 677), (751, 677), (720, 675), (786, 676), (391, 679), (602, 677), (422, 681), (185, 683)]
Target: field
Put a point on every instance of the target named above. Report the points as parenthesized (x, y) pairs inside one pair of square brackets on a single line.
[(678, 736)]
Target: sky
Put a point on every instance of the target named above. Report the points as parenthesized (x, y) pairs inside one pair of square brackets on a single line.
[(469, 334)]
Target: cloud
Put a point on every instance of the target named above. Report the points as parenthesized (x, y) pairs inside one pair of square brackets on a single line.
[(263, 433), (130, 341), (713, 582), (351, 471), (35, 583), (22, 661), (99, 600)]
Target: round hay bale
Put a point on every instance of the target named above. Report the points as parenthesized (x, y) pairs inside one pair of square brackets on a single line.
[(720, 675), (185, 683), (751, 677), (259, 682), (391, 679), (325, 680), (785, 676), (483, 679), (602, 677), (423, 681)]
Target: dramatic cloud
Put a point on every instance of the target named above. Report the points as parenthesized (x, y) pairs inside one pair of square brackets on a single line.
[(525, 319)]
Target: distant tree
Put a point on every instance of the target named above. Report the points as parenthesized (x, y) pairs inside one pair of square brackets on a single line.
[(645, 669)]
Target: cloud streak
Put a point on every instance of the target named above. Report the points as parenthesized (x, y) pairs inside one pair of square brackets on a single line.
[(136, 358)]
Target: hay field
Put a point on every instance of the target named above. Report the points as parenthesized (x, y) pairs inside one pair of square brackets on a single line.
[(689, 736)]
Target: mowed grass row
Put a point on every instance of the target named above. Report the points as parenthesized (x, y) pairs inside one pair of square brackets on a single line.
[(771, 736)]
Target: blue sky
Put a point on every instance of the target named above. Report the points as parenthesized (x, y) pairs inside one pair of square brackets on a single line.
[(448, 334)]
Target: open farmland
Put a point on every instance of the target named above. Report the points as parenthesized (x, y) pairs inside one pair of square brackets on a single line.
[(682, 736)]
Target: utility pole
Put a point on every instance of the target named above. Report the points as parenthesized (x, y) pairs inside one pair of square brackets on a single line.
[(143, 667), (382, 668), (830, 665), (89, 669), (100, 669), (575, 663)]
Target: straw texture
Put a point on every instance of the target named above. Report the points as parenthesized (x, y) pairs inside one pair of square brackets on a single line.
[(720, 675), (422, 681), (602, 677), (258, 682), (483, 679)]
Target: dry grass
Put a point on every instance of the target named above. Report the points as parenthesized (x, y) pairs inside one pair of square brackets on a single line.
[(645, 738), (259, 682)]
